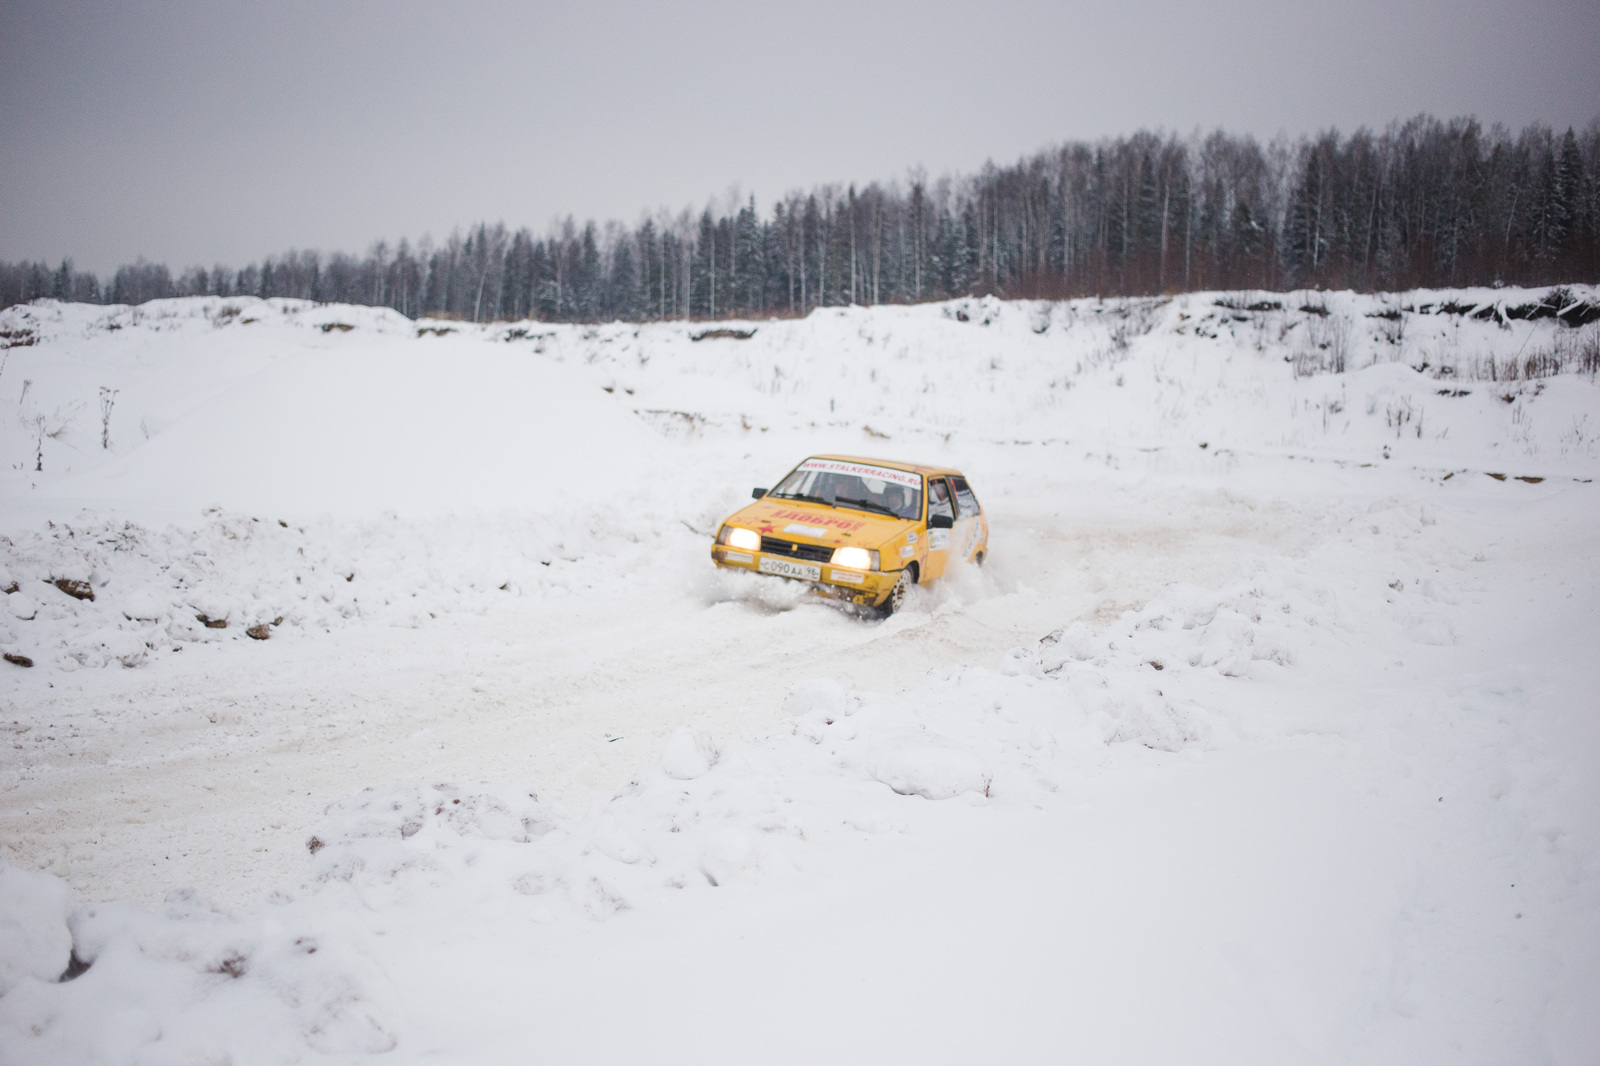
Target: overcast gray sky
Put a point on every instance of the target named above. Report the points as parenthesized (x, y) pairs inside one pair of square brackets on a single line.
[(201, 132)]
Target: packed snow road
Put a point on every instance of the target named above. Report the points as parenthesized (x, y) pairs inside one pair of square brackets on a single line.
[(211, 766)]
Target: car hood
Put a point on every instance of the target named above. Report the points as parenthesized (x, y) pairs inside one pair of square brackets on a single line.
[(815, 523)]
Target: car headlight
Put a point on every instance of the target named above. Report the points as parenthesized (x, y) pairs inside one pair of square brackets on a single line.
[(734, 537), (855, 558)]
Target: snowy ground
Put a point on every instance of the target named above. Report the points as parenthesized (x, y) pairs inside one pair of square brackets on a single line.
[(1265, 735)]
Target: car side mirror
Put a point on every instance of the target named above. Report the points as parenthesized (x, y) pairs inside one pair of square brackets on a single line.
[(941, 521), (756, 494)]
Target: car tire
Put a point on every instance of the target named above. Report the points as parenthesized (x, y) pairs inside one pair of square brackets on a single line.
[(898, 594)]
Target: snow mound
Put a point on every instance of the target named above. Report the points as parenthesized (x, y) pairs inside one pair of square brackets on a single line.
[(688, 754), (159, 589), (34, 941), (930, 771), (187, 984)]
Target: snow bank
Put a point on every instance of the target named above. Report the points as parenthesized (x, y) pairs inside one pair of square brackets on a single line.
[(187, 984), (145, 592), (34, 942), (275, 405)]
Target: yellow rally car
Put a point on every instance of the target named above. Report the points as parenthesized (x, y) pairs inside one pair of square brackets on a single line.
[(861, 530)]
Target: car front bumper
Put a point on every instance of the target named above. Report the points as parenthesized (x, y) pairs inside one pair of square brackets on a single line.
[(870, 587)]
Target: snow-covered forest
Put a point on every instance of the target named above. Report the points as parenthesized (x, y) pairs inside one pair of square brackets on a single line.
[(1424, 203)]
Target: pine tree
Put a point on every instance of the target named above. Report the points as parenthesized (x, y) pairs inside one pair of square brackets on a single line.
[(1569, 181)]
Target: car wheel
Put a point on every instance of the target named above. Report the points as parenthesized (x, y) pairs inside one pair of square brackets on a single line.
[(898, 594)]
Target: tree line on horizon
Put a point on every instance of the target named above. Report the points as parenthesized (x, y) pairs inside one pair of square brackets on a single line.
[(1425, 203)]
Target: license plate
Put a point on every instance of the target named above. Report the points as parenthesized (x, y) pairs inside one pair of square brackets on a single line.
[(784, 568)]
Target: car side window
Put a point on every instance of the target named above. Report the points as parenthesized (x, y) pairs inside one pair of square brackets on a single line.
[(964, 497), (939, 501)]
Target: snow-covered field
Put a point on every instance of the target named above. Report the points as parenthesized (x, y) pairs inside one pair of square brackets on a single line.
[(1267, 733)]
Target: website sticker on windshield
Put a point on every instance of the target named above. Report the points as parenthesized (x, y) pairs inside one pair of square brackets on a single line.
[(835, 466)]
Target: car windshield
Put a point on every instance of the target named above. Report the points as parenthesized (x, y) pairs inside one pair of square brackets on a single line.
[(837, 483)]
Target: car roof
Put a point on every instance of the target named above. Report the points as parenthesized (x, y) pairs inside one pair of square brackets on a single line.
[(894, 464)]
